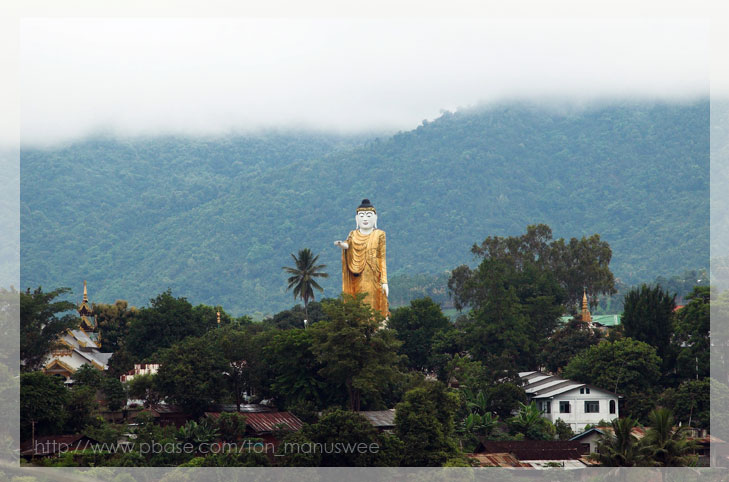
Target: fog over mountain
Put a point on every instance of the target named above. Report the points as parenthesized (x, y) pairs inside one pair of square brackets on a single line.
[(216, 218), (215, 76)]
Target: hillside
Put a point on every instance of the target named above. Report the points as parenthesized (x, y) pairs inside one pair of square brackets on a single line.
[(216, 219)]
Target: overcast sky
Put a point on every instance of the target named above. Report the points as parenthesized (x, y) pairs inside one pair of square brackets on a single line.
[(212, 76)]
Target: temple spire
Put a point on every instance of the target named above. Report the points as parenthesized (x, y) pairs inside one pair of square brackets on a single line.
[(586, 316), (86, 293)]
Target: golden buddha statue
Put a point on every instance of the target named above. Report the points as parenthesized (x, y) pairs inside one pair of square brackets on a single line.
[(364, 269)]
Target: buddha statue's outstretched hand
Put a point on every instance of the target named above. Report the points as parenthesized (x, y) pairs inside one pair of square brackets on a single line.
[(386, 289), (341, 244)]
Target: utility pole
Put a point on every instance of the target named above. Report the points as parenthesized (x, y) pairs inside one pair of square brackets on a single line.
[(32, 437)]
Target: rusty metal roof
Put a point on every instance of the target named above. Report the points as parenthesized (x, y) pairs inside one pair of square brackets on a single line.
[(497, 460), (262, 422), (533, 449), (380, 418)]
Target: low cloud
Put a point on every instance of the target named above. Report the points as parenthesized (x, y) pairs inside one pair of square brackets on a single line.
[(213, 76)]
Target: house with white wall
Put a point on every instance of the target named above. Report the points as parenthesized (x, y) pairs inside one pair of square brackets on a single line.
[(577, 404)]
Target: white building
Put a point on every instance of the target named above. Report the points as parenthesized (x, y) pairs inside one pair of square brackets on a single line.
[(140, 369), (577, 404)]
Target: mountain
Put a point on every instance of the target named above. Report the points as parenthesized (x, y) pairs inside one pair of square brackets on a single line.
[(216, 219)]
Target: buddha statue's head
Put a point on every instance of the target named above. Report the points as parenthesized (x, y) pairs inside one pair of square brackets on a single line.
[(366, 217)]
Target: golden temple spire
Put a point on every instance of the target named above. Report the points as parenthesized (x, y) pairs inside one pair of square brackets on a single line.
[(218, 318), (86, 294), (586, 316)]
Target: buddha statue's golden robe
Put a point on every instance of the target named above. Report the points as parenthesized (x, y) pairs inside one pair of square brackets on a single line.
[(364, 269)]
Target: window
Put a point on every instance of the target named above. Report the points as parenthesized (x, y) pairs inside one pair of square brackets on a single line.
[(592, 407), (582, 391), (546, 406), (612, 406), (564, 407), (587, 390)]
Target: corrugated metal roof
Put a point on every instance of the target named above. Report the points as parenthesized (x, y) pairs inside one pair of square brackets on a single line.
[(497, 460), (525, 374), (533, 449), (267, 421), (244, 407), (606, 320), (544, 385), (566, 388), (541, 385), (380, 418)]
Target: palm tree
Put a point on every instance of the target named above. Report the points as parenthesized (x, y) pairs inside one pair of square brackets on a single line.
[(529, 421), (664, 445), (302, 276), (619, 448)]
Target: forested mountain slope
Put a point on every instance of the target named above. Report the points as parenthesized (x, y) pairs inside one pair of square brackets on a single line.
[(216, 219)]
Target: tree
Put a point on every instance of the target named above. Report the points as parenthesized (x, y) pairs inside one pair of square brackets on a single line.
[(121, 361), (198, 433), (416, 326), (292, 455), (505, 397), (563, 430), (191, 374), (294, 317), (113, 390), (648, 315), (295, 368), (664, 445), (340, 428), (80, 407), (242, 353), (41, 324), (529, 422), (691, 328), (87, 376), (622, 366), (167, 321), (114, 321), (582, 266), (515, 307), (353, 352), (302, 276), (690, 402), (424, 423), (42, 402), (625, 366), (144, 387), (619, 447), (567, 342), (231, 426), (578, 265), (479, 422)]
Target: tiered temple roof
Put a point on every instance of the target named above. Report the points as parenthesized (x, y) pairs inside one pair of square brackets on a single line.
[(80, 346)]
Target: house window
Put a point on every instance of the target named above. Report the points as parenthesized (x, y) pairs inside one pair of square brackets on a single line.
[(592, 407), (564, 407), (546, 407), (582, 391), (587, 390), (612, 406)]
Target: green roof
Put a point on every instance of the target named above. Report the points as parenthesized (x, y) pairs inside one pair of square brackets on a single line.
[(607, 320)]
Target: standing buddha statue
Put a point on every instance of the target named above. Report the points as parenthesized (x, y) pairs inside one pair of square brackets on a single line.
[(364, 269)]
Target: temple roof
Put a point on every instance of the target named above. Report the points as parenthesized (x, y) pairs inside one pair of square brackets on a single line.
[(84, 309)]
